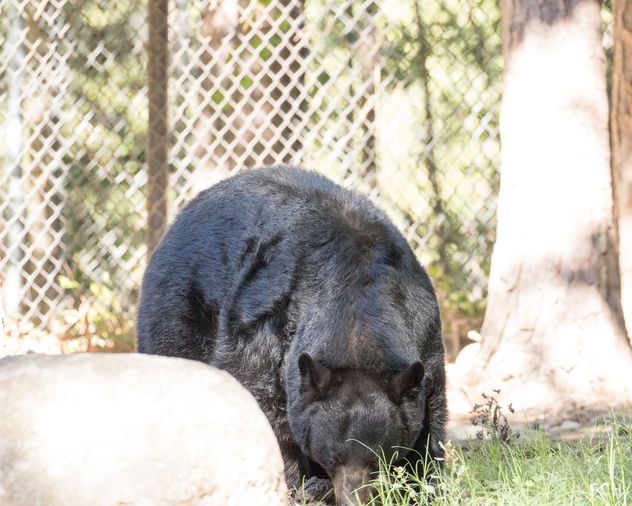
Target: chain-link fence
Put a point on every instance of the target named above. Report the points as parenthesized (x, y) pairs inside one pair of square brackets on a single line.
[(107, 125)]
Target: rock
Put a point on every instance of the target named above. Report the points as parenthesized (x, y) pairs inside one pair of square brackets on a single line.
[(463, 432), (569, 426), (466, 357), (473, 335), (132, 429)]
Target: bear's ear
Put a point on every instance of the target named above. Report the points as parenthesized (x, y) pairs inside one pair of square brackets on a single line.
[(405, 381), (314, 374)]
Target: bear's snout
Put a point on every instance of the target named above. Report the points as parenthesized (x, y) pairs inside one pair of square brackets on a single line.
[(351, 485)]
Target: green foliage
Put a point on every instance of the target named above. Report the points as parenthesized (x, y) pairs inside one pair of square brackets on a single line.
[(107, 121), (492, 421), (437, 108), (96, 321), (435, 128), (596, 470)]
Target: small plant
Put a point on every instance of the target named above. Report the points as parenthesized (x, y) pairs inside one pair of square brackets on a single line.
[(97, 321), (535, 471), (492, 421), (396, 485)]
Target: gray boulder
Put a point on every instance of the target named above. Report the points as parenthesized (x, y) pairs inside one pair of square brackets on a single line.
[(132, 429)]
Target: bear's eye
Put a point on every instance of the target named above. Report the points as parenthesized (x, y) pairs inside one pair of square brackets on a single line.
[(290, 328)]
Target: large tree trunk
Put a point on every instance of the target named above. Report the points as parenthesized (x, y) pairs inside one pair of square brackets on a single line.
[(553, 334), (621, 127)]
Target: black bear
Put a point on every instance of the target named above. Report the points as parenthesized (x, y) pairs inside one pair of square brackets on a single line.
[(309, 296)]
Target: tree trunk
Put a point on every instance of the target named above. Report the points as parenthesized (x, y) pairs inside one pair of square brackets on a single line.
[(257, 124), (15, 208), (368, 60), (158, 135), (287, 66), (220, 22), (553, 335), (44, 164), (363, 67), (429, 158), (621, 128)]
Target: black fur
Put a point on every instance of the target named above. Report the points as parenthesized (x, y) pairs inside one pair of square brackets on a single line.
[(310, 297)]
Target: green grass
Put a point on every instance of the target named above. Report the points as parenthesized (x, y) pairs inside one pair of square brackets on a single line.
[(535, 472)]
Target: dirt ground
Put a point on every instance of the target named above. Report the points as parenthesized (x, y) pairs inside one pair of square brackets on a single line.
[(582, 423)]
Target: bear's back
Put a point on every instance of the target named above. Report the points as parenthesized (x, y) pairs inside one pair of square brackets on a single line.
[(193, 269), (242, 247)]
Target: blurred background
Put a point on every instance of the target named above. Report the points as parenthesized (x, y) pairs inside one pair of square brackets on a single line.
[(399, 99)]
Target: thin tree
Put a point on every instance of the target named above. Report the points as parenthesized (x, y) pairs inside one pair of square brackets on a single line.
[(621, 128), (368, 61), (363, 67), (251, 93), (553, 335), (158, 137), (44, 165), (214, 135), (287, 91), (429, 141), (13, 286)]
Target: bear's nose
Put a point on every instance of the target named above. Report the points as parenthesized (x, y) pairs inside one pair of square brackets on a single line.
[(351, 485)]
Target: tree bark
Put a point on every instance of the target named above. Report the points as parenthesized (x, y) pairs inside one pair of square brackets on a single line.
[(553, 335), (45, 165), (368, 59), (363, 66), (258, 125), (429, 159), (15, 209), (287, 92), (158, 137), (621, 128), (220, 23)]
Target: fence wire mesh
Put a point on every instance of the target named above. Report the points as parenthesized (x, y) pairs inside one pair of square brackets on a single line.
[(398, 98)]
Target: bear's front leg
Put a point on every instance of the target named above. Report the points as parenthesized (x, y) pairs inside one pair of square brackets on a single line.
[(429, 447)]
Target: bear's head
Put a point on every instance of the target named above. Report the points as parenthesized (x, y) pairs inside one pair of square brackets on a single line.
[(345, 420)]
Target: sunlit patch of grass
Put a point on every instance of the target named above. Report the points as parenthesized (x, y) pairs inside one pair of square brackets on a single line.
[(596, 470), (538, 471)]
